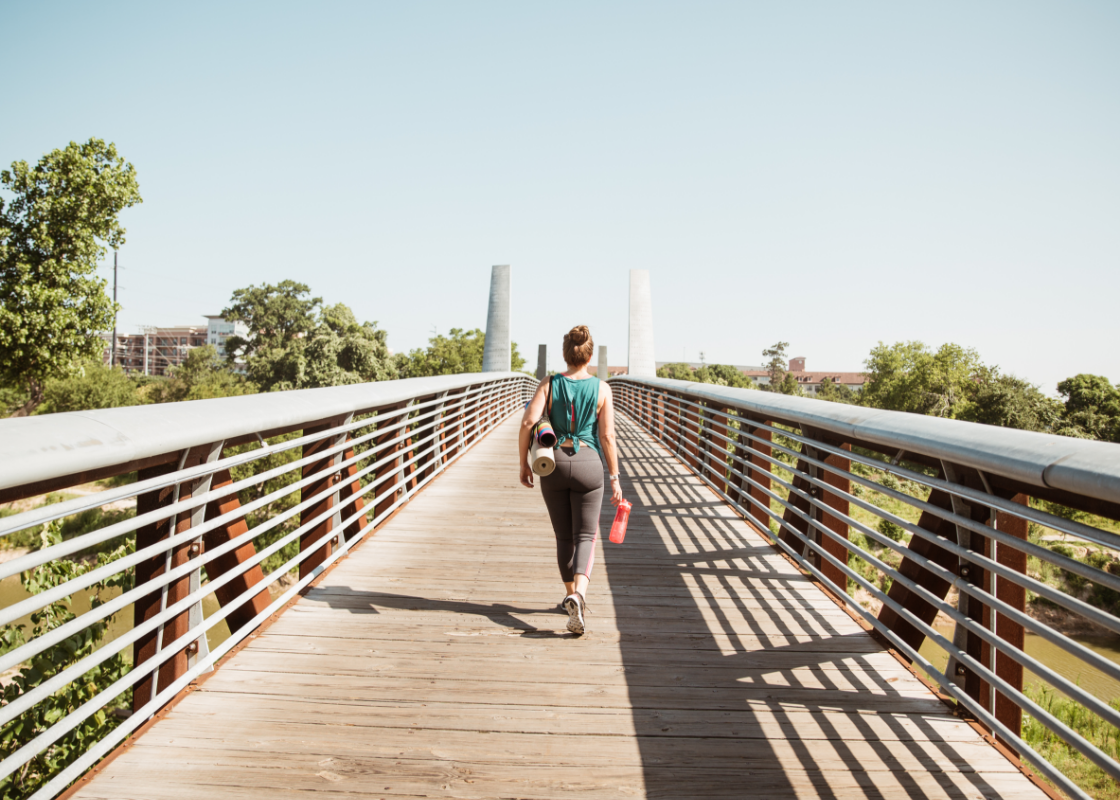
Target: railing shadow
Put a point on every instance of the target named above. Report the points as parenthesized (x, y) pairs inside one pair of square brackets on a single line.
[(742, 681)]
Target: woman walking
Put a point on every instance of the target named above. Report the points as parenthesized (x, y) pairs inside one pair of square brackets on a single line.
[(582, 414)]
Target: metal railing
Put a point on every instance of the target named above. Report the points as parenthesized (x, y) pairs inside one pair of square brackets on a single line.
[(234, 497), (802, 470)]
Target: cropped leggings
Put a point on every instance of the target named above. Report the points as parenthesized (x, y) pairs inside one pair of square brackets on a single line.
[(574, 496)]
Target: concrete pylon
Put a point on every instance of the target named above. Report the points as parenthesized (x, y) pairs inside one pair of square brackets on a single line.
[(542, 361), (604, 370), (496, 356), (640, 360)]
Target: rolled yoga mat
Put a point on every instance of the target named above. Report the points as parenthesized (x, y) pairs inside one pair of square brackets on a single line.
[(541, 459), (543, 433)]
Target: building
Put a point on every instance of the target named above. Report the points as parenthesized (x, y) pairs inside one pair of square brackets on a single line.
[(155, 350), (611, 371), (810, 382)]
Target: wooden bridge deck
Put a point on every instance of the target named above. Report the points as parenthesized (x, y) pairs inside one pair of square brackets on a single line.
[(434, 663)]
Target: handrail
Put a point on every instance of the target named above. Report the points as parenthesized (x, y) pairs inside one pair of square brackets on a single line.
[(971, 533), (34, 449), (1081, 466), (356, 455)]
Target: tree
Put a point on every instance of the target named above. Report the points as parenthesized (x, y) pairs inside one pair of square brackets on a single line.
[(908, 376), (279, 319), (1092, 407), (203, 375), (776, 366), (790, 386), (676, 371), (342, 351), (1011, 402), (55, 230), (836, 392), (458, 352), (724, 375), (91, 385)]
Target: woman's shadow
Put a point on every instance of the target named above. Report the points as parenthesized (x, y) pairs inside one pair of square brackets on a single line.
[(356, 601)]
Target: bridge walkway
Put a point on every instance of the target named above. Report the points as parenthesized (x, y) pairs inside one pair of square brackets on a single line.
[(434, 662)]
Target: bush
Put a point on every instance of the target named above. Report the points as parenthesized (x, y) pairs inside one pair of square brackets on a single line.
[(889, 529)]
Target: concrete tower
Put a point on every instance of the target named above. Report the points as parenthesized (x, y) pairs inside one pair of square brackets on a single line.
[(496, 356), (542, 361), (640, 360), (603, 372)]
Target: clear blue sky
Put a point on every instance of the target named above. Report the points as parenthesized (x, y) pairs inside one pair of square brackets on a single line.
[(830, 174)]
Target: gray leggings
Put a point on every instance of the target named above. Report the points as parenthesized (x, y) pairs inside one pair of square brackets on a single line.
[(574, 496)]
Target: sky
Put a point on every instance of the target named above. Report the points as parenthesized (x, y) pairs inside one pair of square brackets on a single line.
[(828, 174)]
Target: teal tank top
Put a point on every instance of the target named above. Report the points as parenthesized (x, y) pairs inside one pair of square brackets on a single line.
[(574, 411)]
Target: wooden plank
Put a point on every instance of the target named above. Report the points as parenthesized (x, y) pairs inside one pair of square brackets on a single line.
[(433, 662)]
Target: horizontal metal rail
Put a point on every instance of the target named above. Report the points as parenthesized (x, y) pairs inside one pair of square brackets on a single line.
[(788, 465), (349, 458)]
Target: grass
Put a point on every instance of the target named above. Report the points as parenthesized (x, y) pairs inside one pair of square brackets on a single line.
[(1091, 778)]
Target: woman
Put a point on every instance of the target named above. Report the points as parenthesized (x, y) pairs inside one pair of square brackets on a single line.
[(582, 414)]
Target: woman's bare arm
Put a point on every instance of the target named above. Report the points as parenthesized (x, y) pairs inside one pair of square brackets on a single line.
[(607, 438)]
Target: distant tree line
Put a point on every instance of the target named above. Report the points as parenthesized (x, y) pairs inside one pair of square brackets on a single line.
[(952, 382)]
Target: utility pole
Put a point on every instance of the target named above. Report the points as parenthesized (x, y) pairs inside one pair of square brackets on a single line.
[(113, 349)]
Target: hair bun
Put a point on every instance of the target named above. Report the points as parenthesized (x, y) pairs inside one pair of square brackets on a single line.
[(578, 346), (580, 334)]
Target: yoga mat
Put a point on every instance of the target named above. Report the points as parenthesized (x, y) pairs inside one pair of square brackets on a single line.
[(541, 459)]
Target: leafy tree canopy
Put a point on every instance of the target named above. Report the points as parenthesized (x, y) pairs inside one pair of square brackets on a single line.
[(342, 350), (91, 385), (1010, 402), (458, 352), (677, 372), (836, 392), (790, 386), (203, 375), (279, 319), (724, 375), (62, 216), (1092, 407), (908, 376)]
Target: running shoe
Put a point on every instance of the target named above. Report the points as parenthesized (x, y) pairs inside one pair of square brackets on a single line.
[(573, 604)]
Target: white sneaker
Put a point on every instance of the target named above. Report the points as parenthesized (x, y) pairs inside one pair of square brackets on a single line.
[(574, 604)]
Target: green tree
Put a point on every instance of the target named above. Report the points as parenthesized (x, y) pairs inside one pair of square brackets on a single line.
[(724, 375), (1011, 402), (676, 371), (63, 214), (458, 352), (908, 376), (202, 375), (91, 385), (776, 366), (1092, 407), (790, 386), (342, 351), (836, 392), (279, 319)]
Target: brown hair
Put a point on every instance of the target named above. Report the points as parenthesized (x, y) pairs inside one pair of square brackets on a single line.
[(578, 346)]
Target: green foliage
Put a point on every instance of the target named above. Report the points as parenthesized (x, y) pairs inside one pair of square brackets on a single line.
[(458, 352), (776, 365), (723, 375), (52, 235), (54, 660), (279, 318), (788, 385), (281, 504), (1069, 761), (676, 371), (891, 530), (204, 374), (342, 351), (293, 343), (91, 385), (1010, 402), (1092, 407), (836, 392), (908, 376)]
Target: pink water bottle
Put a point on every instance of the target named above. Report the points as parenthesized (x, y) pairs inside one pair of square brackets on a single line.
[(621, 517)]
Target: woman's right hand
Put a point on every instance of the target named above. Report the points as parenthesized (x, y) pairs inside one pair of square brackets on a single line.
[(526, 475), (616, 492)]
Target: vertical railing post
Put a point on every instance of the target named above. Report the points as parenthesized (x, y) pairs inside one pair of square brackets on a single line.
[(717, 446), (387, 459), (152, 605), (1008, 630), (840, 481), (758, 470), (236, 592), (328, 477), (200, 648), (690, 418)]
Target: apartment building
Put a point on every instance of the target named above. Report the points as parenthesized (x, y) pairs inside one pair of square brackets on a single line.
[(155, 350)]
